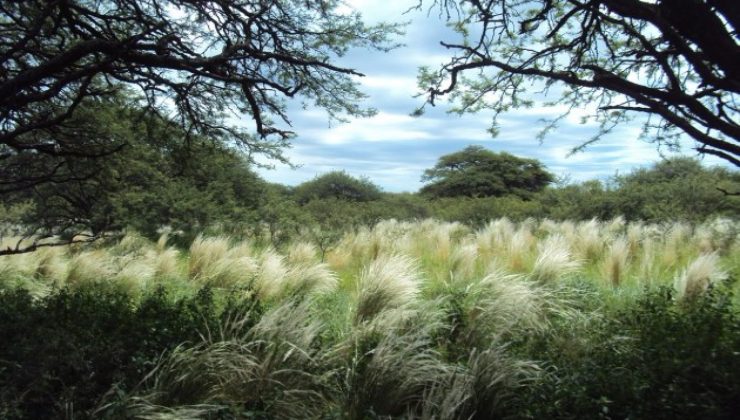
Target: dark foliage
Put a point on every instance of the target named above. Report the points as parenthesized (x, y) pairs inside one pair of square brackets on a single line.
[(61, 354)]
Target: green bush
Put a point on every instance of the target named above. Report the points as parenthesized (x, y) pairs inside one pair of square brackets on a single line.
[(658, 358), (61, 354)]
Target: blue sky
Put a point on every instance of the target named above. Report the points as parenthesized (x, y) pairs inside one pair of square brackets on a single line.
[(392, 149)]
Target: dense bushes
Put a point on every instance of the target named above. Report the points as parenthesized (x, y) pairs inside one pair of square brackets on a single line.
[(656, 358), (61, 354)]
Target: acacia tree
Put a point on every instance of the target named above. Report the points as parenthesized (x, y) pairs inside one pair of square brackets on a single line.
[(205, 67), (675, 61), (202, 64), (478, 172)]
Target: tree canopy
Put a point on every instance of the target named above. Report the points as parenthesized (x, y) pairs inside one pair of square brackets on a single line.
[(201, 64), (478, 172), (677, 62), (337, 185)]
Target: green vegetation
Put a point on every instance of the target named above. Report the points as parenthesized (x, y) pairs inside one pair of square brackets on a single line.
[(147, 272), (421, 319), (477, 172)]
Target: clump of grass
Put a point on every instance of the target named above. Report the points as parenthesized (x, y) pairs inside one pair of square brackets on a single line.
[(588, 241), (698, 276), (554, 260), (302, 253), (501, 304), (266, 368), (463, 261), (387, 282), (388, 373), (213, 261), (519, 248), (89, 267), (614, 264)]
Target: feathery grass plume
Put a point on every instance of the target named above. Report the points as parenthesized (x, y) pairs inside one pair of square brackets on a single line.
[(214, 262), (302, 253), (303, 279), (567, 229), (463, 261), (616, 225), (495, 236), (502, 303), (637, 232), (554, 260), (519, 247), (480, 388), (495, 377), (588, 241), (51, 265), (716, 235), (614, 264), (390, 281), (89, 267), (387, 374), (271, 275), (204, 253), (134, 275), (698, 276), (648, 263), (268, 368), (676, 240), (443, 235), (548, 226), (131, 245), (166, 263)]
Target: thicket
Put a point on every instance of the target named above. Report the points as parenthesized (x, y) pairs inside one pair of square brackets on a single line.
[(536, 319)]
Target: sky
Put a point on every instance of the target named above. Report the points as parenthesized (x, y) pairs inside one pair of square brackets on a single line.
[(393, 149)]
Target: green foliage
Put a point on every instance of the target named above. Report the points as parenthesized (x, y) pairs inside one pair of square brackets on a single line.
[(338, 185), (582, 201), (679, 188), (655, 358), (477, 172), (61, 354), (154, 180)]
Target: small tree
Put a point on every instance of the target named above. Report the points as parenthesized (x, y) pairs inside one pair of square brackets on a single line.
[(339, 185), (477, 172)]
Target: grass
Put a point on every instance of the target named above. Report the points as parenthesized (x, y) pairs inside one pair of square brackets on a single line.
[(425, 319)]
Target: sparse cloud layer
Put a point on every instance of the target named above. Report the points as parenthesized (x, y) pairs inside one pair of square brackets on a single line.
[(393, 148)]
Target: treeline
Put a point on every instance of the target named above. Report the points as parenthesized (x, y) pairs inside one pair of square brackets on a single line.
[(161, 177)]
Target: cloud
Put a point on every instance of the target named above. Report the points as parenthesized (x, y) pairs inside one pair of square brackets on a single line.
[(393, 148)]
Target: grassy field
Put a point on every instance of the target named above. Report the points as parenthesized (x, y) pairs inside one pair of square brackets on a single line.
[(428, 320)]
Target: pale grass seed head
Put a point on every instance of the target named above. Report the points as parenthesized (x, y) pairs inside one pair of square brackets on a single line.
[(588, 241), (504, 302), (391, 281), (519, 248), (614, 264), (699, 275), (204, 253), (214, 262), (89, 267), (554, 260), (302, 253), (463, 261), (309, 279), (134, 275), (166, 264), (271, 275)]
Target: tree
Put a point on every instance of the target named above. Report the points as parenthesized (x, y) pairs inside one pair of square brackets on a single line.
[(151, 182), (676, 189), (196, 63), (477, 172), (337, 185), (677, 62)]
